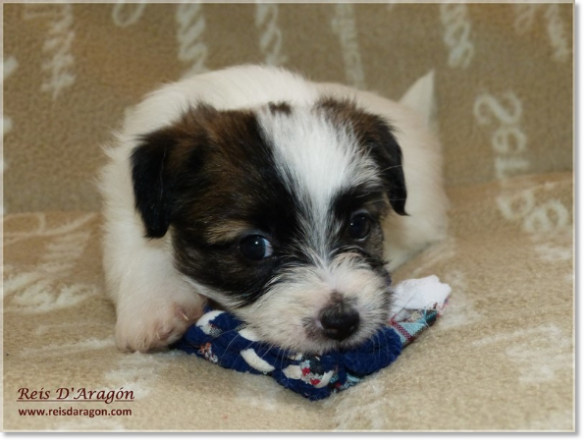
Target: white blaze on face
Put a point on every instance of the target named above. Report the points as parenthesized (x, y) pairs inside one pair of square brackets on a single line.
[(316, 161)]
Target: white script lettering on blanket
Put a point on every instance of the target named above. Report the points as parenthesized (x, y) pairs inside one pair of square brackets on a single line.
[(457, 26), (550, 351), (57, 45), (126, 14), (10, 66), (554, 26), (192, 48), (271, 39), (510, 144), (39, 288), (508, 141), (344, 24), (549, 223)]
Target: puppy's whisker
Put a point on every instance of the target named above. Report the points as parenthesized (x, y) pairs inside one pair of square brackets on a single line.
[(228, 346), (391, 167), (225, 332), (267, 351)]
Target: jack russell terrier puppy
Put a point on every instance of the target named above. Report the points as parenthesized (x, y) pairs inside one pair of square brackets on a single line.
[(285, 202)]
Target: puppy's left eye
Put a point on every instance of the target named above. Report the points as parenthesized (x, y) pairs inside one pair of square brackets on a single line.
[(359, 226), (256, 247)]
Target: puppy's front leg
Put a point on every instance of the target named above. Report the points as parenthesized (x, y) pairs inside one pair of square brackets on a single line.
[(154, 305)]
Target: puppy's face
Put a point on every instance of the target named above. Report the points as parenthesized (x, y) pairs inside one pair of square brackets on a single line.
[(275, 214)]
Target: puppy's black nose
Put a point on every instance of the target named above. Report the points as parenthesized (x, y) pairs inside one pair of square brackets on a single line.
[(339, 321)]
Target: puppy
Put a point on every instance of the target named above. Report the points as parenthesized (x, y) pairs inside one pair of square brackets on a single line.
[(283, 201)]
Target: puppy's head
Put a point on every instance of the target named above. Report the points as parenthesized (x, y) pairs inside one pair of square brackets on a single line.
[(274, 213)]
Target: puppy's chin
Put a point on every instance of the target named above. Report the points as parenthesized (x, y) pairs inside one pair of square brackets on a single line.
[(288, 314)]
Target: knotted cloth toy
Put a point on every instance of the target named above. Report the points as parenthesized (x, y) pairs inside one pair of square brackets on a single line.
[(221, 338)]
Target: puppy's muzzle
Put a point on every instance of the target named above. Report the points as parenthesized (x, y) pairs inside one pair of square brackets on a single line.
[(339, 321)]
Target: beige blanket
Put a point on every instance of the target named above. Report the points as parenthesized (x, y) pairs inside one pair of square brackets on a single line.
[(502, 357)]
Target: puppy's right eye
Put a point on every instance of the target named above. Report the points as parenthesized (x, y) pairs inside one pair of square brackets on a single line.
[(256, 247), (359, 226)]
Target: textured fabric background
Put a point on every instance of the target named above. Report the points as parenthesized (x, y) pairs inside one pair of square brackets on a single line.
[(502, 357), (503, 77)]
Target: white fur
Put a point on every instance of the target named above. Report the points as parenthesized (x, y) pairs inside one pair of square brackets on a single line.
[(279, 315), (154, 303), (427, 203), (318, 160)]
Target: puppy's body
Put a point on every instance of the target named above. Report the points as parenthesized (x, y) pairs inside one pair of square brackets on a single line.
[(257, 162)]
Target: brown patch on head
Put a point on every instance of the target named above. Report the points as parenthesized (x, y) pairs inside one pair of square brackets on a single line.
[(344, 113), (280, 108), (376, 139), (211, 176), (232, 148), (227, 231), (200, 164)]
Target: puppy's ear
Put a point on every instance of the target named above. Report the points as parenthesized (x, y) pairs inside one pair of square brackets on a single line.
[(152, 181), (165, 162), (421, 98), (385, 150), (376, 137)]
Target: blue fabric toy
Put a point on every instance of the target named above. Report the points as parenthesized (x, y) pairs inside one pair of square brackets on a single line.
[(221, 338)]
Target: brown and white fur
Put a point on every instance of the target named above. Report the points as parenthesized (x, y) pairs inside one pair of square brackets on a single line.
[(284, 201)]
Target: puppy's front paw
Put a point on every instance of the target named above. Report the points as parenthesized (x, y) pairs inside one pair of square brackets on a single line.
[(155, 328)]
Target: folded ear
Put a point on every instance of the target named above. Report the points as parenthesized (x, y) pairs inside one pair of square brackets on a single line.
[(388, 155), (153, 184), (165, 163), (376, 137)]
